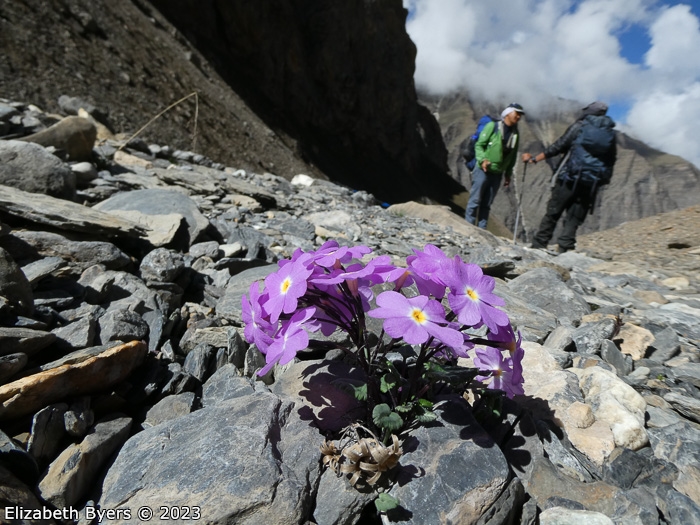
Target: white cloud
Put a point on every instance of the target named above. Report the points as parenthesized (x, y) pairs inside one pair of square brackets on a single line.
[(532, 50)]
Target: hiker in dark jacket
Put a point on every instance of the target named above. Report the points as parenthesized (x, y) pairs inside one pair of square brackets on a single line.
[(579, 174), (496, 150)]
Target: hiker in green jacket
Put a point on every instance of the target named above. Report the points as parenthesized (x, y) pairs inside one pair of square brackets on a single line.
[(496, 150)]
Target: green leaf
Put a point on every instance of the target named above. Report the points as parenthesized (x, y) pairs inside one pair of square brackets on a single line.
[(425, 403), (385, 419), (385, 503), (389, 382), (404, 408), (355, 388), (426, 417)]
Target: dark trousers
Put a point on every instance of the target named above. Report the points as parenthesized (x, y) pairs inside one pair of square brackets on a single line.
[(576, 200)]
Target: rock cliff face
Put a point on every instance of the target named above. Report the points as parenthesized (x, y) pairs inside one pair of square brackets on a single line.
[(646, 181), (319, 88), (338, 76)]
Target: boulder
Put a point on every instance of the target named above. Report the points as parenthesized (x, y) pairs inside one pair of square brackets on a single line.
[(29, 167)]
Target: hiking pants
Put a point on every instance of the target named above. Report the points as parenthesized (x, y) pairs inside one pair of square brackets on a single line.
[(576, 201), (481, 195)]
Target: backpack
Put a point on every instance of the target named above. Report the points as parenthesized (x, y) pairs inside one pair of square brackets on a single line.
[(467, 147), (589, 162)]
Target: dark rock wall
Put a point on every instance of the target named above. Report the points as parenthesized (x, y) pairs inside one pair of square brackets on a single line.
[(335, 75)]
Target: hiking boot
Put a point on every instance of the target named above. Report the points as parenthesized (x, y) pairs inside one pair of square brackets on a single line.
[(561, 249)]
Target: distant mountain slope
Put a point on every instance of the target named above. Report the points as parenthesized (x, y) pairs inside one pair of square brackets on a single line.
[(646, 181)]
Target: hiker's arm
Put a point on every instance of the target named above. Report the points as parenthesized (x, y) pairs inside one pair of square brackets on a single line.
[(561, 145), (481, 143)]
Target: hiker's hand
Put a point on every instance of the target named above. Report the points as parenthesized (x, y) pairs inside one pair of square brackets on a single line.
[(485, 165), (527, 157), (506, 183)]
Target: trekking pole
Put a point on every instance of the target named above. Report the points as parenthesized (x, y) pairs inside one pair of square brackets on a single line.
[(520, 200)]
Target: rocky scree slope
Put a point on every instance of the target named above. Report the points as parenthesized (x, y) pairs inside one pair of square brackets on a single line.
[(126, 382), (322, 89)]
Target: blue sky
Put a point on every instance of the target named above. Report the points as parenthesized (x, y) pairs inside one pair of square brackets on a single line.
[(640, 56)]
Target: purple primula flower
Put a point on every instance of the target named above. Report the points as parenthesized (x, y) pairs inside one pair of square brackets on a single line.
[(288, 341), (415, 319), (284, 288), (429, 268), (470, 296), (499, 370), (330, 255), (258, 330)]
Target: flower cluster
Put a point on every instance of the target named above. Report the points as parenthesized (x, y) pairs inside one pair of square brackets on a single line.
[(330, 289)]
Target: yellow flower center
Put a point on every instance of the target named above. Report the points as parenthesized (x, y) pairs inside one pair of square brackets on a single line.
[(418, 316), (285, 285), (473, 295)]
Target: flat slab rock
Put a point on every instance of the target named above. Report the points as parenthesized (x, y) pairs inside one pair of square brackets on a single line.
[(96, 373), (248, 460), (63, 214)]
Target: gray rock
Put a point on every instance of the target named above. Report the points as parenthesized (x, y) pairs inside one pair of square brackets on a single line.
[(160, 202), (79, 255), (338, 503), (65, 215), (200, 363), (122, 325), (29, 167), (590, 336), (42, 268), (226, 383), (161, 265), (229, 306), (688, 407), (611, 354), (14, 285), (76, 335), (206, 249), (75, 470), (47, 433), (689, 372), (11, 364), (665, 346), (22, 464), (271, 460), (24, 340), (169, 408), (431, 484), (544, 288)]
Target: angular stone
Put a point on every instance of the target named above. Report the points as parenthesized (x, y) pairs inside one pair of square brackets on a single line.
[(74, 135), (75, 470), (122, 325), (170, 407), (48, 430), (11, 364), (442, 493), (226, 383), (200, 362), (57, 213), (160, 202), (617, 404), (14, 285), (97, 373), (271, 460), (24, 340), (635, 340), (30, 168)]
